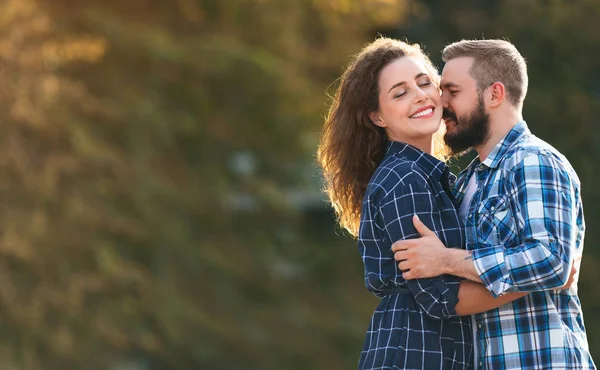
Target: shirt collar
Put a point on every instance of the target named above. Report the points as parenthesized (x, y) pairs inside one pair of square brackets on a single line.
[(500, 150), (431, 165)]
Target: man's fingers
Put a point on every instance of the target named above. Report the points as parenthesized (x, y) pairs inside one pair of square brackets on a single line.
[(404, 266), (401, 245), (573, 274), (570, 280), (398, 256), (401, 255), (421, 228)]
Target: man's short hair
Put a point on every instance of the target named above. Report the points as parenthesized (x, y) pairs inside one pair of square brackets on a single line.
[(494, 61)]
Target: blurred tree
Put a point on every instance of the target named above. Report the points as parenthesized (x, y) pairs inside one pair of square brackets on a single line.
[(159, 208), (153, 159)]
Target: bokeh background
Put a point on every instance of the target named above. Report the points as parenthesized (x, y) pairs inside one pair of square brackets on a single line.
[(160, 204)]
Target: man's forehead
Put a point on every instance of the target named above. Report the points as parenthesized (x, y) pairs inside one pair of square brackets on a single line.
[(456, 71), (459, 66)]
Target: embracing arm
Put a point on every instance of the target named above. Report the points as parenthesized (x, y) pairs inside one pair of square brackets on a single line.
[(427, 256), (474, 298), (457, 262), (437, 296), (547, 201)]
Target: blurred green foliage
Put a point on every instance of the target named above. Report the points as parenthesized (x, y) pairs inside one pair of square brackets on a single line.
[(160, 206)]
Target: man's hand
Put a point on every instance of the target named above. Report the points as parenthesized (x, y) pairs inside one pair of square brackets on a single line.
[(574, 275), (424, 257)]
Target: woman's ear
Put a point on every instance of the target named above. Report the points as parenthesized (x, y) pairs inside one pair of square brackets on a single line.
[(376, 119)]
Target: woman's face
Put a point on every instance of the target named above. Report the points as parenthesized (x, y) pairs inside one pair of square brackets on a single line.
[(410, 106)]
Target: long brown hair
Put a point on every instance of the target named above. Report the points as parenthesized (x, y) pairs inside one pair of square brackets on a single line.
[(351, 146)]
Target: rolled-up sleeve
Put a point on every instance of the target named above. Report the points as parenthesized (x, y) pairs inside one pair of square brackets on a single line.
[(546, 200), (436, 296)]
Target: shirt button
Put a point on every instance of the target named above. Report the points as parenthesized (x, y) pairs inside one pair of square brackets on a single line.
[(492, 208), (480, 363), (470, 215), (479, 326)]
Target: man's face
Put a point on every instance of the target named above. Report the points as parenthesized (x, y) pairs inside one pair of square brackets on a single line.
[(467, 123)]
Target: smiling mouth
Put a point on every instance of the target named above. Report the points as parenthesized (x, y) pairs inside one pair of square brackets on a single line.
[(423, 113)]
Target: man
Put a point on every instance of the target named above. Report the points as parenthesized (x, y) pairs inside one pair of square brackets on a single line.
[(521, 204)]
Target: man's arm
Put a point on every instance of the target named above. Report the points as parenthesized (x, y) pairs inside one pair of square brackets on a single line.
[(545, 218), (428, 257), (436, 296), (546, 211), (475, 298)]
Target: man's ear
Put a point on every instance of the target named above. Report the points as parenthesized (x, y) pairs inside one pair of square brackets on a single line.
[(497, 94), (376, 119)]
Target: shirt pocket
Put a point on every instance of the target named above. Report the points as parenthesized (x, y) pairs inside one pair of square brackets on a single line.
[(496, 223)]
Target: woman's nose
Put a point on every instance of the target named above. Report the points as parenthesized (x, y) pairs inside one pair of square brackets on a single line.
[(420, 95)]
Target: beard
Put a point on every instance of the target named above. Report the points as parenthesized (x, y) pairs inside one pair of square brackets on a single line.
[(470, 130)]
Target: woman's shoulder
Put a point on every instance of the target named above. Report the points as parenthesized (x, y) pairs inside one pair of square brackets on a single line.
[(395, 172)]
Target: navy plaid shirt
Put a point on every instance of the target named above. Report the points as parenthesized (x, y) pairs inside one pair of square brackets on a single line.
[(525, 224), (415, 325)]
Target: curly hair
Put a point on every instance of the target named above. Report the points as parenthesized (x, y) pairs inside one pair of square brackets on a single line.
[(351, 146)]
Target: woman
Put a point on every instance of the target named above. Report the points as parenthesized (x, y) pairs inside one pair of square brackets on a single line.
[(377, 152)]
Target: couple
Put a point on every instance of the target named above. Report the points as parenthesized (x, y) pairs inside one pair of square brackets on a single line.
[(502, 243)]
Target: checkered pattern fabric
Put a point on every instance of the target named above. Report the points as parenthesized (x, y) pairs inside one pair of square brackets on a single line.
[(525, 225), (415, 325)]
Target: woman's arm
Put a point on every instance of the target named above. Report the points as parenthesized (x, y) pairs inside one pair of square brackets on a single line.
[(475, 298), (391, 213)]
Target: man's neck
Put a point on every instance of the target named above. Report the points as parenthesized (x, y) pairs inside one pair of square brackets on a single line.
[(500, 126)]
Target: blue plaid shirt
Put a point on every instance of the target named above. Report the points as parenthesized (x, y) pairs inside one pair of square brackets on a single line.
[(525, 225), (415, 325)]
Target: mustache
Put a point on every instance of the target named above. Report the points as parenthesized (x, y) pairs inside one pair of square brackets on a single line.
[(447, 114)]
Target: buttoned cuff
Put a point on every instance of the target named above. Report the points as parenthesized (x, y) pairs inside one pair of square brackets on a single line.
[(491, 267)]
